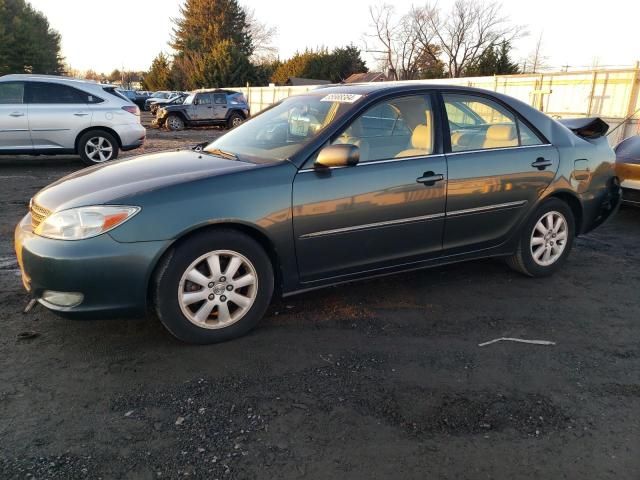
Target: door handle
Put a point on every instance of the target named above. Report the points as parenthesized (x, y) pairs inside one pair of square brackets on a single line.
[(16, 114), (81, 114), (430, 178), (541, 163)]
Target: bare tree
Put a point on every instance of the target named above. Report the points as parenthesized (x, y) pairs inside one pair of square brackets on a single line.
[(537, 60), (401, 48), (459, 38), (386, 34), (262, 36), (472, 27)]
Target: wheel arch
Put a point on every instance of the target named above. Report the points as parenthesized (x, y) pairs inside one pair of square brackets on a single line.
[(250, 230), (236, 110), (97, 129), (571, 199)]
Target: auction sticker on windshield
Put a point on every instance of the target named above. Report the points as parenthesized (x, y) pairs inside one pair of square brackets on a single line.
[(342, 97)]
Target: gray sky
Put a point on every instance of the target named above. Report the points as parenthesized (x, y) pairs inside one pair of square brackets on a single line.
[(129, 33)]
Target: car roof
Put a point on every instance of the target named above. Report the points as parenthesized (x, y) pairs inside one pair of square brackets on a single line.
[(215, 90), (26, 77), (391, 87)]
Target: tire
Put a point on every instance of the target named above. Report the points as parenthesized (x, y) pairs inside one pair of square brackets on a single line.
[(234, 120), (195, 312), (97, 146), (174, 123), (531, 257)]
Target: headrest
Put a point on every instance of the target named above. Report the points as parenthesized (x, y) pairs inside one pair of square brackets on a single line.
[(501, 132), (421, 137)]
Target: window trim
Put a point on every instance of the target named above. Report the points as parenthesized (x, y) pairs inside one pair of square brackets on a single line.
[(438, 141), (517, 116)]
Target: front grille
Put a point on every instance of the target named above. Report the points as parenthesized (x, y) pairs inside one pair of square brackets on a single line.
[(38, 214)]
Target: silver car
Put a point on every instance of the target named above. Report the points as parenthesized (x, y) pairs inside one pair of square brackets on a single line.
[(52, 115)]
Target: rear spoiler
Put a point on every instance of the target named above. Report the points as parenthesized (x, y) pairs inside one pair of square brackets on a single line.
[(593, 127)]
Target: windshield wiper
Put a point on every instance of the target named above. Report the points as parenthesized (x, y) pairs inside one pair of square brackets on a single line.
[(222, 153)]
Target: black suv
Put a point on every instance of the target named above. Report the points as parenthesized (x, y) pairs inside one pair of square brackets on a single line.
[(205, 107)]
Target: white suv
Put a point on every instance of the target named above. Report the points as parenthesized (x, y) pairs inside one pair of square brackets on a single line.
[(51, 115)]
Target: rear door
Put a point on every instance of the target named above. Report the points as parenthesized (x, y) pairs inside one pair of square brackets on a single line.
[(14, 117), (57, 114), (498, 167), (219, 106)]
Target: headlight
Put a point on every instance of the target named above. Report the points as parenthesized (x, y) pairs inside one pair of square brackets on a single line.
[(84, 222)]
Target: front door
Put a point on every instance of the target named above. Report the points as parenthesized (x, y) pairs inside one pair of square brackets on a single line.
[(14, 117), (387, 210), (498, 168), (202, 109), (57, 114)]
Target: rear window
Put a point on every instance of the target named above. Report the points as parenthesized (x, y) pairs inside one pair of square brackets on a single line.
[(115, 93)]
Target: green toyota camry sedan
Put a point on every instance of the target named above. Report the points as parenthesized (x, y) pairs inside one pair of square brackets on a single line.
[(338, 184)]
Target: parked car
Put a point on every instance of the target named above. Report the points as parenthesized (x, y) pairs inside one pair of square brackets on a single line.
[(205, 107), (53, 115), (163, 95), (177, 99), (628, 169), (338, 184)]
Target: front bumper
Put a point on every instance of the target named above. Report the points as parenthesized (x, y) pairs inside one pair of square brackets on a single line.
[(113, 277)]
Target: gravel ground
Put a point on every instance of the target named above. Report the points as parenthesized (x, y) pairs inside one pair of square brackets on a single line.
[(380, 379)]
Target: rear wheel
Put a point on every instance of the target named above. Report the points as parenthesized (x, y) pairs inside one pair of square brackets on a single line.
[(214, 287), (175, 123), (234, 120), (546, 240), (97, 146)]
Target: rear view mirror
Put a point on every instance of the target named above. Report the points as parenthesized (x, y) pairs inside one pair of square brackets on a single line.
[(342, 155)]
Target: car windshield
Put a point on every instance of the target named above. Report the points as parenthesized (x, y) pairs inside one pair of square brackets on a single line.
[(282, 130)]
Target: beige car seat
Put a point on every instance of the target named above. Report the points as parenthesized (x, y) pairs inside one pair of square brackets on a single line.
[(501, 136), (421, 140)]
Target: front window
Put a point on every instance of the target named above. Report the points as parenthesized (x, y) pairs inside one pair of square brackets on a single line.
[(398, 128), (11, 93), (282, 130)]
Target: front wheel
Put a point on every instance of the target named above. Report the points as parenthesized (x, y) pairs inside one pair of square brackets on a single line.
[(175, 123), (214, 287), (546, 240)]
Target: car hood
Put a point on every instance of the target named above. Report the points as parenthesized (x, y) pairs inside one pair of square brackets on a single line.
[(113, 183)]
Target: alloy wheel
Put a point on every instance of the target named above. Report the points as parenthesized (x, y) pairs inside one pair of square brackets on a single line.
[(549, 238), (98, 149), (236, 121), (218, 289)]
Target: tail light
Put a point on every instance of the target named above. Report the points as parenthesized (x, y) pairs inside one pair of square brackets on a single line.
[(133, 109)]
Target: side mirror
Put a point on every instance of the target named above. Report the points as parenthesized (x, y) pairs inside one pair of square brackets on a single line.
[(342, 155)]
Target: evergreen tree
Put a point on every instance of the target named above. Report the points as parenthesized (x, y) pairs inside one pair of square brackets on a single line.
[(504, 65), (213, 45), (321, 65), (204, 23), (159, 75), (27, 43), (494, 61)]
